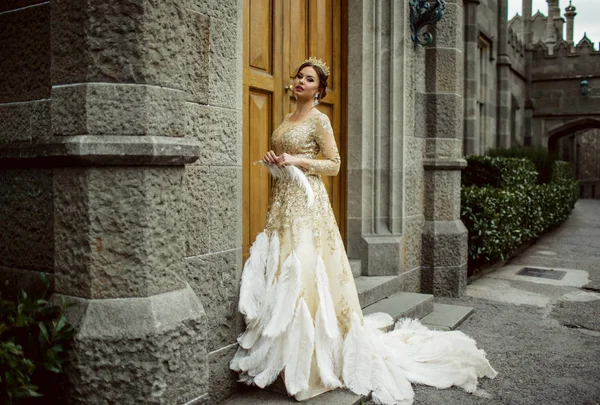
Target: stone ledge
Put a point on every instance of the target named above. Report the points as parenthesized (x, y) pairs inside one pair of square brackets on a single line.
[(444, 164), (102, 150)]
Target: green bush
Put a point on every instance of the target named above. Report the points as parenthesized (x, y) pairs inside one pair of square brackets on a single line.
[(541, 158), (33, 339), (498, 172), (500, 220)]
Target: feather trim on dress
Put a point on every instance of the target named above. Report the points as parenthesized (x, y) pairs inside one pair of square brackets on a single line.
[(295, 174)]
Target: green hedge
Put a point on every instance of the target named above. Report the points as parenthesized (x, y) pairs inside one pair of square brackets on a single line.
[(498, 172), (500, 220), (541, 158)]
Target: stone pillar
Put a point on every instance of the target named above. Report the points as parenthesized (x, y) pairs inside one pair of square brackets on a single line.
[(503, 94), (444, 254), (570, 16), (528, 42), (471, 129), (124, 80), (376, 134), (550, 29)]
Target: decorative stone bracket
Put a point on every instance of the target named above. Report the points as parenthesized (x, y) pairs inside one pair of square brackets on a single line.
[(424, 13)]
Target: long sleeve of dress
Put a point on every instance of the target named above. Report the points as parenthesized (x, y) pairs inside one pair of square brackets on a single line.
[(330, 164)]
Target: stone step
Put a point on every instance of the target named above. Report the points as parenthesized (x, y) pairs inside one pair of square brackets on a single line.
[(264, 397), (375, 288), (403, 305), (356, 267), (446, 317)]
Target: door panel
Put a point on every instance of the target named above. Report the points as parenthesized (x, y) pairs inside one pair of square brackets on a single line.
[(278, 36)]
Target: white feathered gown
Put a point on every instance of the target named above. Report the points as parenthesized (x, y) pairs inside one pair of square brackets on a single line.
[(298, 296)]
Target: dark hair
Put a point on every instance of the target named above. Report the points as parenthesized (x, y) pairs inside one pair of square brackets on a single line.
[(322, 78)]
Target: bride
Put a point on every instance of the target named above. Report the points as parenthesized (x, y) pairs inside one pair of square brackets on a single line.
[(298, 296)]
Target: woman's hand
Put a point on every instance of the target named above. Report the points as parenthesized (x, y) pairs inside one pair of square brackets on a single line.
[(286, 160), (270, 157)]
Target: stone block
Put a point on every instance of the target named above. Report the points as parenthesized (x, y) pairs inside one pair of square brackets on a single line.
[(219, 132), (138, 350), (118, 231), (24, 122), (356, 200), (444, 115), (442, 195), (27, 219), (444, 243), (223, 381), (25, 61), (145, 42), (449, 31), (226, 208), (414, 152), (411, 242), (444, 281), (443, 148), (444, 70), (383, 255), (413, 191), (118, 109), (197, 210), (356, 247), (215, 279), (225, 65), (411, 280), (226, 10)]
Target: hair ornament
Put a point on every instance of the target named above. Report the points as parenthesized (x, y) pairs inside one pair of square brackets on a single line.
[(318, 62)]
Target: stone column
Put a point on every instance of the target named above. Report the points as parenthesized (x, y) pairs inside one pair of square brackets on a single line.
[(503, 94), (528, 43), (124, 78), (570, 16), (376, 82), (550, 29), (444, 254), (471, 130)]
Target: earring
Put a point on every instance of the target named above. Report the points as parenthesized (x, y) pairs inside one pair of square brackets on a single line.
[(295, 97), (316, 100)]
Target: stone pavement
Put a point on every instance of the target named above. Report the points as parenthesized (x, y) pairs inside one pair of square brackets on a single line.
[(541, 335)]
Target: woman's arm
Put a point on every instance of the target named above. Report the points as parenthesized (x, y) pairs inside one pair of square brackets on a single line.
[(330, 164)]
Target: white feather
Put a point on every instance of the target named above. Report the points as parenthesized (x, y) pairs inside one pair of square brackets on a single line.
[(295, 174), (248, 338), (325, 300), (287, 288), (299, 348), (328, 353), (274, 364), (272, 259), (358, 361), (252, 290), (254, 362), (378, 320), (234, 364)]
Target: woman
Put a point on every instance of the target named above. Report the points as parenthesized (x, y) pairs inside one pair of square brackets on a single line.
[(298, 296)]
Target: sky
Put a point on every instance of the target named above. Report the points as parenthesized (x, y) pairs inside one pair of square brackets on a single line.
[(586, 20)]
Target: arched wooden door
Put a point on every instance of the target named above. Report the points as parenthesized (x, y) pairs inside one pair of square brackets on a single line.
[(278, 36)]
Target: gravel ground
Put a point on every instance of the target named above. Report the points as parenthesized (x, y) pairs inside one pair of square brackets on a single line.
[(548, 353)]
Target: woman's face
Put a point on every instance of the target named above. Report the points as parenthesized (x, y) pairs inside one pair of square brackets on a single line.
[(306, 83)]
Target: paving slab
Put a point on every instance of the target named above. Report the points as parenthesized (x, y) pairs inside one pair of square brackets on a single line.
[(374, 288), (260, 397), (446, 317), (403, 305)]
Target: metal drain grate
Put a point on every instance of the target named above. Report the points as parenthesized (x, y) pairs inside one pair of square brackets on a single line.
[(541, 273)]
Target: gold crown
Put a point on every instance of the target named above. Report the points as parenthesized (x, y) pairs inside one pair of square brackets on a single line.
[(318, 62)]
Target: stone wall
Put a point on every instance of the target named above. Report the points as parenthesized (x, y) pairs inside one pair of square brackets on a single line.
[(587, 162), (102, 104)]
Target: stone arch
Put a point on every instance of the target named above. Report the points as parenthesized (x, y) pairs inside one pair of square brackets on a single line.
[(568, 128)]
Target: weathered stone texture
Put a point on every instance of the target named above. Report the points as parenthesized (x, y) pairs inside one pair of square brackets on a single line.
[(442, 195), (25, 122), (383, 255), (219, 131), (444, 281), (118, 231), (136, 350), (118, 109), (447, 34), (222, 380), (411, 242), (444, 71), (26, 219), (25, 60), (444, 115), (215, 279), (444, 243), (224, 64), (225, 221), (157, 43)]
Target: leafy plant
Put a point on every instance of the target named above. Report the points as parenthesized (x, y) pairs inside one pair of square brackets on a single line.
[(541, 158), (485, 171), (33, 338), (500, 220)]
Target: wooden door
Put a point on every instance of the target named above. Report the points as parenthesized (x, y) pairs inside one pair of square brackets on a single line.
[(278, 36)]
